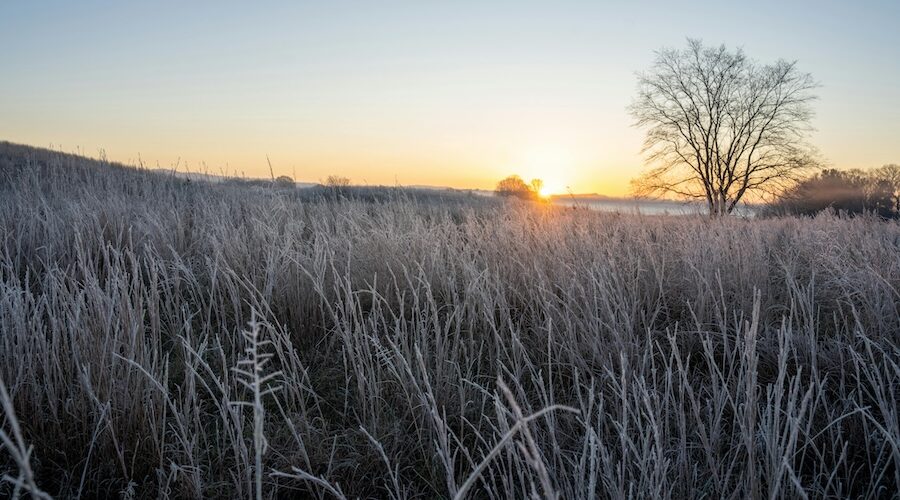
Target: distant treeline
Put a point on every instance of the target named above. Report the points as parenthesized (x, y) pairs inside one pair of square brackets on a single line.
[(849, 192)]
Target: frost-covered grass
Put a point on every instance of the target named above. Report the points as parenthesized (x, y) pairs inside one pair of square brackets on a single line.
[(165, 338)]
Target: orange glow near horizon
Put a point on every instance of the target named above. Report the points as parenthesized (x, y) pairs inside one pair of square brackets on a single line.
[(563, 167), (554, 165)]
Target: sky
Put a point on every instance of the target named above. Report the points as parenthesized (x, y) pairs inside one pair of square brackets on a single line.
[(421, 92)]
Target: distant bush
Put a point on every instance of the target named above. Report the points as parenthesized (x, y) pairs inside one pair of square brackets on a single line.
[(284, 181), (850, 192), (337, 181), (514, 186)]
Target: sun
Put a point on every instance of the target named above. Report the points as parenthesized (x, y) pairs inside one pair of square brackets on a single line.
[(550, 166), (550, 186)]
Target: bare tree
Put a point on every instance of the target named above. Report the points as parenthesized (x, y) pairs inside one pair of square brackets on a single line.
[(850, 191), (720, 126), (337, 181), (537, 185), (890, 174)]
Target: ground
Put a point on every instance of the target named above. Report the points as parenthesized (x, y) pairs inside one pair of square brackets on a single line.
[(160, 337)]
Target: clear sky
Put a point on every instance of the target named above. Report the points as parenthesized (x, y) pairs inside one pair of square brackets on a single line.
[(420, 92)]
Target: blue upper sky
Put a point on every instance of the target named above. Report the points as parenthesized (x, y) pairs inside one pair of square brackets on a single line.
[(452, 93)]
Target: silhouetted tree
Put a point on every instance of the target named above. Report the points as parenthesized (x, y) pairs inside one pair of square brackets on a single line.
[(846, 191), (890, 174), (514, 186), (720, 126), (879, 197)]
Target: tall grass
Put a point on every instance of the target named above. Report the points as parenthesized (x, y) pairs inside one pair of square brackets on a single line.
[(164, 338)]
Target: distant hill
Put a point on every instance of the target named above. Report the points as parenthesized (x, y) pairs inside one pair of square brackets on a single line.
[(21, 151), (18, 161)]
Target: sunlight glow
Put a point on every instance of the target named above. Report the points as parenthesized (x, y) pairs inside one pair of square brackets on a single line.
[(553, 164), (551, 186)]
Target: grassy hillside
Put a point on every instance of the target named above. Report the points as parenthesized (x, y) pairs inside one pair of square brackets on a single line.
[(165, 338)]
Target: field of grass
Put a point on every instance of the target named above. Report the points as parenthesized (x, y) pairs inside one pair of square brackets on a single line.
[(165, 338)]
